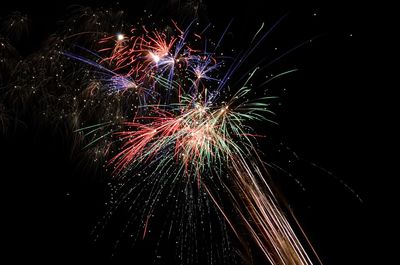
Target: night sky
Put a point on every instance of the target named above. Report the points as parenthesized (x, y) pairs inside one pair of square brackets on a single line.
[(52, 197)]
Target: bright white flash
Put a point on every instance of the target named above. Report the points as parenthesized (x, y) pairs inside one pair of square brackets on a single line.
[(120, 37), (155, 57)]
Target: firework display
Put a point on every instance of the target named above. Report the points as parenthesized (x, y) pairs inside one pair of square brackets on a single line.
[(186, 132), (170, 116)]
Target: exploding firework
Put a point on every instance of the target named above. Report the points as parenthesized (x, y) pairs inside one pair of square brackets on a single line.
[(194, 138), (158, 105)]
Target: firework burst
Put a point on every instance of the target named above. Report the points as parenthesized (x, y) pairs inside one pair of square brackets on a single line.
[(156, 104)]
